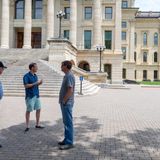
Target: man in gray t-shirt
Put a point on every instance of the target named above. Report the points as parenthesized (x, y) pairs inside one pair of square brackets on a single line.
[(66, 100), (2, 67)]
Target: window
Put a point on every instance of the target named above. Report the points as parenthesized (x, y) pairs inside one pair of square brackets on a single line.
[(88, 13), (87, 39), (124, 24), (155, 74), (144, 74), (19, 9), (66, 34), (108, 39), (67, 12), (37, 9), (124, 73), (124, 52), (135, 39), (155, 57), (145, 39), (145, 57), (124, 34), (108, 13), (156, 39), (135, 56), (124, 4)]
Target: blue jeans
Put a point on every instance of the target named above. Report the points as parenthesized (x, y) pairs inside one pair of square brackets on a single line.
[(68, 122)]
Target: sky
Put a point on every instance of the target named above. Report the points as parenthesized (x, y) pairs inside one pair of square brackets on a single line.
[(148, 5)]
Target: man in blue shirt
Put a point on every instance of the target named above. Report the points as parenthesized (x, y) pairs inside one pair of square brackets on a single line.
[(66, 100), (2, 67), (31, 83)]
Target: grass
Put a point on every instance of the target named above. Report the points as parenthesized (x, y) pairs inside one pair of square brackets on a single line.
[(150, 83)]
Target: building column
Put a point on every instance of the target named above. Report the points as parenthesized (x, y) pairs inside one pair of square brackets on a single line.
[(50, 18), (131, 41), (97, 20), (5, 24), (28, 24), (73, 20), (118, 28)]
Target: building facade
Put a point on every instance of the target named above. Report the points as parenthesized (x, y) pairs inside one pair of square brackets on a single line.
[(130, 37)]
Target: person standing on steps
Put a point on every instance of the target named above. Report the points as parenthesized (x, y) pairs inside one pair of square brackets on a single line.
[(2, 67), (66, 100), (31, 84)]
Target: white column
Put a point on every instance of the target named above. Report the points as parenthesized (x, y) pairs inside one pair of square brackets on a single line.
[(50, 18), (73, 20), (97, 18), (118, 28), (28, 24), (131, 41), (5, 24)]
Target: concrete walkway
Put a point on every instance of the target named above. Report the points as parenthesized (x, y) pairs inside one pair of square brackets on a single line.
[(115, 124)]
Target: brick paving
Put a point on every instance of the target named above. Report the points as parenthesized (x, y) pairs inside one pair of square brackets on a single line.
[(115, 124)]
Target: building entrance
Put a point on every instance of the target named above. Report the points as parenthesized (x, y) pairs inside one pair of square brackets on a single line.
[(35, 41), (108, 69)]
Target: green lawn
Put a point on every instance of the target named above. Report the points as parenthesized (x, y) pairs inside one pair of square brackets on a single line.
[(150, 83)]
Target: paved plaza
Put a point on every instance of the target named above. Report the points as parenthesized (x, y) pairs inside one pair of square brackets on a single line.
[(115, 124)]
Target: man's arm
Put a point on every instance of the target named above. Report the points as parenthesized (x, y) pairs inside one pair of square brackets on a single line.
[(68, 94), (33, 84)]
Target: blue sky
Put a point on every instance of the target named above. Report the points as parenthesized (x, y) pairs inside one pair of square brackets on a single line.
[(148, 5)]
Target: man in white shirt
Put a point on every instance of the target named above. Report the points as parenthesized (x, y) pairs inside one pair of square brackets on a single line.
[(2, 67)]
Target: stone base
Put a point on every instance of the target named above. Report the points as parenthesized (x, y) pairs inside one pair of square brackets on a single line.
[(60, 50)]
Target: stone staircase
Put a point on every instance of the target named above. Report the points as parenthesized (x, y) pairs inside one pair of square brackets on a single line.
[(12, 80), (23, 54)]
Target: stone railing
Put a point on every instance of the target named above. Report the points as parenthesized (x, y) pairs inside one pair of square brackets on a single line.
[(96, 77)]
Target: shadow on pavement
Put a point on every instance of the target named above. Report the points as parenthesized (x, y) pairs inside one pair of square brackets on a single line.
[(91, 144), (42, 144)]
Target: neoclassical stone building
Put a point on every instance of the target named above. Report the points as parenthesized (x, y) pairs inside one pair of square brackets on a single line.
[(130, 37)]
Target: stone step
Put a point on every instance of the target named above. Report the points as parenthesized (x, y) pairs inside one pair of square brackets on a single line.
[(13, 81), (54, 88)]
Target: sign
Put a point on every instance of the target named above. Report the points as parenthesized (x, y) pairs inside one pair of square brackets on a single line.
[(81, 78)]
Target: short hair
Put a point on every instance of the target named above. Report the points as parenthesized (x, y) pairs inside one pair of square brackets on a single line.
[(32, 65), (67, 63)]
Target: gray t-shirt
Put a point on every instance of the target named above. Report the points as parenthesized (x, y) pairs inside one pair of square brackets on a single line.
[(68, 81)]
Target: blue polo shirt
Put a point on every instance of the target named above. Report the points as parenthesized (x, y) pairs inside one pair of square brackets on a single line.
[(30, 78), (1, 90)]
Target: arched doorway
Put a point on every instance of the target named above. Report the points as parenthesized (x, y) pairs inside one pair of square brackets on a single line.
[(108, 69), (84, 65)]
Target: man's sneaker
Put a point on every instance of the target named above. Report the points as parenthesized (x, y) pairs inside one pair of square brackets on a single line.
[(39, 127), (0, 146), (61, 143), (66, 146), (26, 130)]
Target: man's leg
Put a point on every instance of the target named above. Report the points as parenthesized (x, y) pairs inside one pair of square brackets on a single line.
[(29, 104), (68, 123), (37, 107), (68, 127), (37, 117), (27, 119)]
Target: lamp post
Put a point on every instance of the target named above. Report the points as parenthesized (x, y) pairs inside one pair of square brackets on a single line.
[(60, 15), (100, 49)]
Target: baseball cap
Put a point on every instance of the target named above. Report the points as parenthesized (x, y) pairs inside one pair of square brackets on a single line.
[(2, 65)]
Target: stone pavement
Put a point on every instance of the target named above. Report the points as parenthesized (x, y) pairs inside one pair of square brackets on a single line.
[(115, 124)]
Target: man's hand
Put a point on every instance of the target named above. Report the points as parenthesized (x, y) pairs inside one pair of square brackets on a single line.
[(40, 82)]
